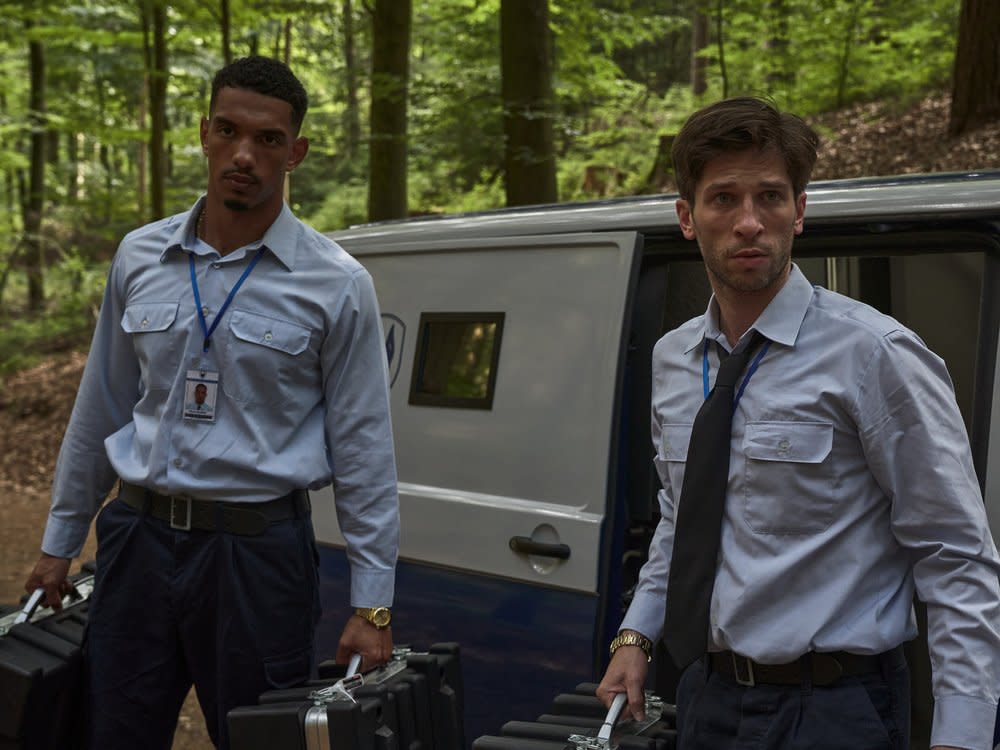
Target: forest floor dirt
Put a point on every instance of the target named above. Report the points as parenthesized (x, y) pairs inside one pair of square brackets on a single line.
[(35, 404)]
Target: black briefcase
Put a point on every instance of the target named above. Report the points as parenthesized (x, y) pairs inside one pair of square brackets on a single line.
[(575, 720), (412, 703), (41, 672)]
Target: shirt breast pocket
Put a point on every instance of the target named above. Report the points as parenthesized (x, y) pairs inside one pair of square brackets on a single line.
[(789, 479), (267, 360), (155, 340), (674, 442)]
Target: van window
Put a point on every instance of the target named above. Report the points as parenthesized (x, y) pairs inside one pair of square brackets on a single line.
[(455, 364)]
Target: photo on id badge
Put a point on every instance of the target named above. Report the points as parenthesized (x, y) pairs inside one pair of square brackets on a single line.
[(200, 392)]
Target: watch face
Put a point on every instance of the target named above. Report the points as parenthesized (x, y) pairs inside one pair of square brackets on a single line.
[(381, 616)]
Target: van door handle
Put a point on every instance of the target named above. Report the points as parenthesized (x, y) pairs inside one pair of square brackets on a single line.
[(528, 546)]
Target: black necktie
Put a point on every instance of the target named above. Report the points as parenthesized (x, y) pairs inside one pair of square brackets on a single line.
[(699, 516)]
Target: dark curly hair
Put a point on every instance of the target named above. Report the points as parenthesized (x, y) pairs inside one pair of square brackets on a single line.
[(266, 76), (739, 124)]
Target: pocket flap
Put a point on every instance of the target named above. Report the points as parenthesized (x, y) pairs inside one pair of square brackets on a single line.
[(149, 317), (797, 442), (675, 440), (273, 333)]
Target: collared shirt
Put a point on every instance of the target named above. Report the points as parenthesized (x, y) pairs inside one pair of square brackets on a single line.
[(850, 484), (302, 396)]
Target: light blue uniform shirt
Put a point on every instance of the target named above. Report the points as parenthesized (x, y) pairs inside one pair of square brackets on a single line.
[(302, 399), (850, 483)]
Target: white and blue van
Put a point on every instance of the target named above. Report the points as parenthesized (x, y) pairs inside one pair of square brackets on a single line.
[(519, 346)]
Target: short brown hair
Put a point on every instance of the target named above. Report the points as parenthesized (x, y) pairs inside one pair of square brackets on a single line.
[(740, 124)]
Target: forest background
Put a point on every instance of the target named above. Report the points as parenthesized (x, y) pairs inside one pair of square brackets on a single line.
[(417, 107)]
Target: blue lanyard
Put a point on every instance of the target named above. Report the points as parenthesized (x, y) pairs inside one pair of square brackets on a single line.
[(232, 293), (746, 379)]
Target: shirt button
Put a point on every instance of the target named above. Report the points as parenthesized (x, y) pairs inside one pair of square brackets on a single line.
[(177, 462), (784, 446), (145, 323), (204, 309), (268, 336), (216, 265)]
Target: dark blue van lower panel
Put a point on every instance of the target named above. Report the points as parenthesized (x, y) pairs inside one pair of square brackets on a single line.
[(521, 644)]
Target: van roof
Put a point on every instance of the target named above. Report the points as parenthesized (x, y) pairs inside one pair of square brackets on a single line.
[(940, 196)]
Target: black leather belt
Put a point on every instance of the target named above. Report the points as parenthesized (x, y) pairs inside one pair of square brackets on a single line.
[(186, 513), (822, 668)]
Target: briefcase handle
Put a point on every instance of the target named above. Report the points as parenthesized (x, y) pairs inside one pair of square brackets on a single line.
[(352, 666), (30, 606), (603, 739)]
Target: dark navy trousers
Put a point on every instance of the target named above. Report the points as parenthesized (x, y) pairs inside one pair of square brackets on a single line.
[(869, 712), (232, 615)]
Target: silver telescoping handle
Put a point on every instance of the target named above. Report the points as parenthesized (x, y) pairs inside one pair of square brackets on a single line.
[(609, 721), (29, 608), (603, 739), (352, 665)]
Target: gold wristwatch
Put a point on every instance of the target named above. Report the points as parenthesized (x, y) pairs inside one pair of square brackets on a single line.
[(632, 638), (380, 617)]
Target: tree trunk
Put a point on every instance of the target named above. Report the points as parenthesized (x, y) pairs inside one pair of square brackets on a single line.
[(287, 58), (390, 75), (142, 153), (720, 10), (975, 96), (699, 41), (34, 248), (779, 77), (352, 124), (224, 27), (528, 107), (844, 67), (158, 111), (73, 173), (103, 154)]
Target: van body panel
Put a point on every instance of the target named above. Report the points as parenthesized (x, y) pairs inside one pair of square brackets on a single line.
[(473, 480)]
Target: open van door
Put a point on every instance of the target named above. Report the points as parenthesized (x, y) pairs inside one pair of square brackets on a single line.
[(505, 359)]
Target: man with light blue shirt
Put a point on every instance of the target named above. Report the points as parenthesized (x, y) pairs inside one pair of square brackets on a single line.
[(850, 486), (206, 560)]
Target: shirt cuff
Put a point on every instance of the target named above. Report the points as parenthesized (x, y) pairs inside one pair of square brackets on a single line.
[(64, 538), (963, 721), (645, 615), (372, 588)]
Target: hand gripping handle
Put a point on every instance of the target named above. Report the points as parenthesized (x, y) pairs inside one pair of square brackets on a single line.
[(29, 608), (609, 721)]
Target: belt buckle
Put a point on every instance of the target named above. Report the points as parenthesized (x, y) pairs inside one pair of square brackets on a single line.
[(748, 680), (178, 502)]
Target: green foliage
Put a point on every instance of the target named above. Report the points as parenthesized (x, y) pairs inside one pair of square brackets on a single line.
[(622, 78), (76, 287), (836, 52), (343, 206)]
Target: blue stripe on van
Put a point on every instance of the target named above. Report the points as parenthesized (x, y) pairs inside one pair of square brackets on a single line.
[(521, 644)]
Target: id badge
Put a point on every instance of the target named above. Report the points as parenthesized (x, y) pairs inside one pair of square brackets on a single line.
[(201, 390)]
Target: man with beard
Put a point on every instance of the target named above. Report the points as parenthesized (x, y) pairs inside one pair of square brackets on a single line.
[(206, 560), (844, 484)]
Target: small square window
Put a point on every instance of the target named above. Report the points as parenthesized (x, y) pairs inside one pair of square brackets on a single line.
[(456, 360)]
